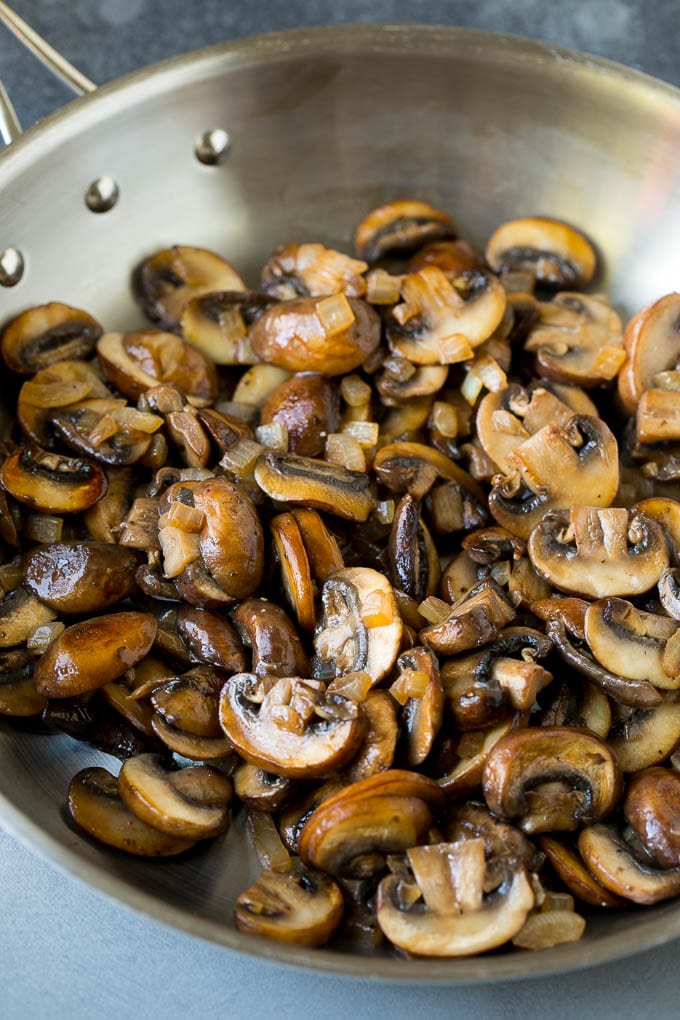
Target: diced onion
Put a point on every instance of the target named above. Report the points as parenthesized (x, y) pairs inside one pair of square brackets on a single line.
[(433, 609), (180, 548), (382, 288), (355, 391), (269, 848), (444, 419), (335, 314), (241, 458), (344, 450), (471, 387), (141, 421), (273, 437), (557, 901), (377, 610), (353, 686), (544, 930), (455, 348), (57, 394), (609, 360), (669, 380), (384, 511), (106, 427), (186, 518), (410, 684), (365, 432)]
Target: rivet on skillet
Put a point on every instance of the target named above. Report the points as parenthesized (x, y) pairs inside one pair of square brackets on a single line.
[(11, 267), (212, 146), (102, 194)]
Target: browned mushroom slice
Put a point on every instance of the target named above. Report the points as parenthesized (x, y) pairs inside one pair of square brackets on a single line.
[(652, 345), (191, 440), (472, 751), (192, 802), (322, 547), (61, 385), (669, 592), (551, 778), (287, 478), (555, 468), (80, 577), (107, 431), (578, 339), (135, 362), (46, 334), (95, 805), (569, 611), (170, 278), (572, 871), (667, 513), (287, 726), (414, 563), (473, 621), (190, 745), (296, 574), (414, 467), (20, 616), (636, 693), (614, 865), (555, 253), (452, 257), (190, 703), (331, 335), (474, 702), (211, 638), (423, 707), (645, 736), (459, 577), (510, 662), (504, 844), (299, 907), (51, 482), (294, 816), (312, 270), (657, 418), (18, 696), (400, 226), (599, 552), (442, 322), (445, 912), (350, 833), (360, 626), (377, 750), (217, 324), (124, 695), (267, 630), (652, 808), (89, 654), (630, 642), (307, 406), (398, 383), (260, 789)]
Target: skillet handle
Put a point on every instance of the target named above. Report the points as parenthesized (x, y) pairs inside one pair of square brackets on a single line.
[(52, 59)]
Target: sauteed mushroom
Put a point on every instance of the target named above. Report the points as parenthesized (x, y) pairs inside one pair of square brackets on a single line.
[(170, 278), (312, 270), (301, 907), (217, 324), (553, 252), (615, 866), (52, 482), (578, 339), (652, 808), (652, 346), (307, 406), (400, 226), (80, 577), (48, 333), (135, 362)]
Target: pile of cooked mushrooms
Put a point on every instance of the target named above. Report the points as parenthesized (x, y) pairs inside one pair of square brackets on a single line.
[(384, 554)]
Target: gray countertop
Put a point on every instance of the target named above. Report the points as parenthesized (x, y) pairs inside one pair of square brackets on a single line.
[(65, 950)]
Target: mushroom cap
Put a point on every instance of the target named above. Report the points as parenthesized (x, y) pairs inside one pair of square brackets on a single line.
[(51, 482), (652, 808), (578, 339), (167, 280), (579, 772), (401, 226), (80, 577), (599, 552), (652, 344), (554, 252), (573, 872), (612, 862), (288, 478), (46, 334), (630, 642)]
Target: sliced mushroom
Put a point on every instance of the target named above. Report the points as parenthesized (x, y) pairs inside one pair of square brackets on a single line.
[(260, 789), (360, 626), (569, 611), (667, 513), (80, 577), (442, 322), (551, 778), (103, 520), (61, 385), (296, 575), (657, 420), (645, 736), (211, 638), (331, 335), (474, 702), (630, 642), (652, 809), (452, 257), (438, 929), (45, 334), (190, 745), (377, 750), (288, 727), (312, 270), (555, 468), (614, 865), (573, 872), (20, 616), (669, 592), (599, 552), (192, 802), (294, 816), (578, 339), (414, 467), (400, 226), (52, 482), (636, 693), (397, 387), (95, 805), (350, 833), (267, 630), (89, 654), (556, 254), (414, 563), (422, 714), (288, 478), (322, 546), (136, 362), (190, 703), (216, 324), (307, 406), (18, 696), (473, 621), (166, 281), (504, 844), (472, 749), (652, 345), (301, 907)]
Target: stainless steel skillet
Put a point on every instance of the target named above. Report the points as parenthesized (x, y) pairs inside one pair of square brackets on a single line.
[(324, 124)]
